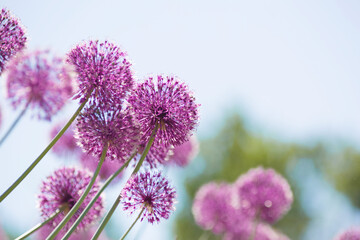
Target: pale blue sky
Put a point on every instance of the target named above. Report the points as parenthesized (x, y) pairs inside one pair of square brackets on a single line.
[(292, 67)]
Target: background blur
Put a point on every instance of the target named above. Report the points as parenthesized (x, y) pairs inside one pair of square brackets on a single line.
[(278, 83)]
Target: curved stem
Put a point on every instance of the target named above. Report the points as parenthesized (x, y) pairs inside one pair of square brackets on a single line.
[(15, 123), (37, 160), (38, 226), (86, 210), (117, 201), (132, 225), (82, 198)]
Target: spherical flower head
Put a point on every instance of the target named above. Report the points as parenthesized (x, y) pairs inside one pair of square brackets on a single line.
[(184, 153), (264, 193), (107, 169), (12, 37), (350, 234), (97, 127), (152, 192), (40, 80), (262, 232), (83, 234), (167, 103), (212, 207), (62, 190), (102, 69), (66, 145)]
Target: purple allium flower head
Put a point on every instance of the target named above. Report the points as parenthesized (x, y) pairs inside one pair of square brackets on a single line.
[(41, 80), (97, 127), (102, 68), (12, 37), (265, 193), (212, 207), (107, 169), (66, 145), (167, 102), (184, 153), (83, 234), (63, 189), (350, 234), (152, 192), (262, 232)]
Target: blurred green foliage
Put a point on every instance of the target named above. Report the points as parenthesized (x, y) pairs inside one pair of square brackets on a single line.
[(234, 150)]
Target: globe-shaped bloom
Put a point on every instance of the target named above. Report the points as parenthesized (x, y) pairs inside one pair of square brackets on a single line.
[(184, 153), (152, 192), (262, 232), (167, 103), (12, 37), (264, 193), (350, 234), (66, 145), (62, 190), (103, 69), (212, 207), (107, 169), (97, 127), (40, 80)]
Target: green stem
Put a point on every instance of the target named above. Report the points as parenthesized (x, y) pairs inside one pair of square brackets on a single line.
[(37, 160), (146, 150), (15, 123), (132, 225), (86, 210), (255, 225), (82, 198), (117, 201), (38, 226)]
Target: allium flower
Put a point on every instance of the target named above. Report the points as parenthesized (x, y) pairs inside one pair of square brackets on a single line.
[(184, 153), (97, 127), (350, 234), (264, 193), (107, 169), (12, 37), (165, 102), (149, 191), (67, 143), (62, 190), (212, 207), (86, 234), (103, 69), (263, 232), (39, 80)]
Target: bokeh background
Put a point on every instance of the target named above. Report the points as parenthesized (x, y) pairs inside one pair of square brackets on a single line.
[(278, 83)]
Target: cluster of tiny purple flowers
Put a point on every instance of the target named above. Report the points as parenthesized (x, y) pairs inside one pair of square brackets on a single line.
[(12, 37), (151, 192), (244, 209), (62, 190)]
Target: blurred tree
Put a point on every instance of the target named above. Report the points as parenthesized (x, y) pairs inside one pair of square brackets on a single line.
[(232, 152)]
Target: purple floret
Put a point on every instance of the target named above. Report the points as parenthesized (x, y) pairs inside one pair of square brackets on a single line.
[(102, 68), (63, 189), (212, 207), (184, 153), (40, 80), (168, 103), (264, 193), (247, 231), (350, 234), (152, 192), (97, 127), (12, 37), (66, 145)]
